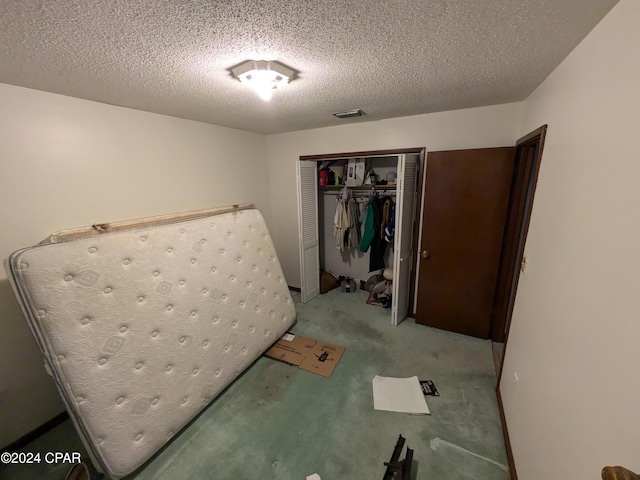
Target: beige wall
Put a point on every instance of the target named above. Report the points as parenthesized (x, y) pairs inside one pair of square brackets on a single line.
[(473, 128), (576, 325), (65, 163)]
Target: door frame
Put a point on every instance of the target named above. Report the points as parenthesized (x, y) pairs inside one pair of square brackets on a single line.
[(421, 152), (523, 186)]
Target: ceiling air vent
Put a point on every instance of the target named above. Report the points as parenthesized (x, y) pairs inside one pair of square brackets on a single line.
[(349, 113)]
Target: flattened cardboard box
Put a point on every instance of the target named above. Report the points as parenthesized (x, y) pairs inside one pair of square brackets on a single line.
[(308, 354)]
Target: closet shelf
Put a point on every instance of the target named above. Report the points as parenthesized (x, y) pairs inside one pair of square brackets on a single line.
[(388, 186)]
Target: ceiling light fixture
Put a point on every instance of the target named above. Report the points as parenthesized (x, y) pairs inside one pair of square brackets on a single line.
[(349, 113), (263, 76)]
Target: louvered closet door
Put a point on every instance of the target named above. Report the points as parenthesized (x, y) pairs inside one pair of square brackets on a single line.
[(402, 254), (309, 245)]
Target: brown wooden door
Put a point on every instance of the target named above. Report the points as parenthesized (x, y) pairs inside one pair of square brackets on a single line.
[(463, 221)]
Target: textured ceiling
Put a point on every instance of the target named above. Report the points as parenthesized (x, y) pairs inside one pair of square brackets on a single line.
[(390, 58)]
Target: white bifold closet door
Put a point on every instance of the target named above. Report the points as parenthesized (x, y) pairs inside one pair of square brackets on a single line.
[(402, 252), (309, 243)]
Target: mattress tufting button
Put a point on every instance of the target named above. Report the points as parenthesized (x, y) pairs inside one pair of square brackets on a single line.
[(169, 250), (102, 361), (244, 350), (85, 321), (232, 277), (218, 372), (205, 343), (182, 231), (139, 365), (226, 348), (194, 371), (224, 296), (181, 282), (193, 261), (254, 267), (266, 332), (68, 278), (194, 313), (155, 401), (241, 303), (99, 440), (184, 400), (229, 234), (204, 291), (123, 328), (108, 290), (234, 323), (80, 399), (138, 437), (245, 243), (222, 250), (252, 328), (169, 308), (215, 319), (61, 358), (154, 334), (169, 367), (119, 400), (93, 249), (126, 261), (156, 273), (140, 299), (143, 238)]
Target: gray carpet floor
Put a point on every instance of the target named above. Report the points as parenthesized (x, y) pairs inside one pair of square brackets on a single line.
[(280, 422)]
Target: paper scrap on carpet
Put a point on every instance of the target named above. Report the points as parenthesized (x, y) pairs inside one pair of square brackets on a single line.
[(399, 395)]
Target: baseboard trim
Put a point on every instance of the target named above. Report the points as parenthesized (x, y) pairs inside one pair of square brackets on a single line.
[(35, 433), (507, 442)]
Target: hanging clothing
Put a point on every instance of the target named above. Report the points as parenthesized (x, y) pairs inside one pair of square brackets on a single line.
[(353, 215), (369, 229), (390, 229), (346, 221), (384, 220), (378, 244), (338, 231)]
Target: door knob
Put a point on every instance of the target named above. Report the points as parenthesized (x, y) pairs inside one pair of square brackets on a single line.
[(425, 254)]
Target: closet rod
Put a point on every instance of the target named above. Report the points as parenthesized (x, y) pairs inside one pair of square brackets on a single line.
[(361, 193)]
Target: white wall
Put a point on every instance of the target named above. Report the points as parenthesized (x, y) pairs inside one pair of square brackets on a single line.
[(574, 339), (473, 128), (65, 163)]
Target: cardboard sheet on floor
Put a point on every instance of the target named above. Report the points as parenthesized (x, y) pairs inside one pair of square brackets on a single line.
[(308, 354), (399, 395)]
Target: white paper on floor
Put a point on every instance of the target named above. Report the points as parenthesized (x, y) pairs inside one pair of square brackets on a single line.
[(399, 395)]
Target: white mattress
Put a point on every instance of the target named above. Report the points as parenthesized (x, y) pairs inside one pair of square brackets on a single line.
[(142, 329)]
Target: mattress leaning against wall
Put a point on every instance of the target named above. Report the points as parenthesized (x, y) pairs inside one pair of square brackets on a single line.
[(142, 328)]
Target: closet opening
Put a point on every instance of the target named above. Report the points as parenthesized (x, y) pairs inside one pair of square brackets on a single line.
[(357, 216)]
